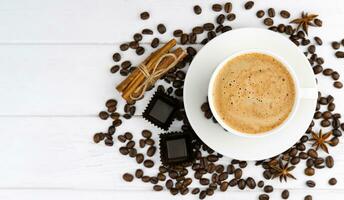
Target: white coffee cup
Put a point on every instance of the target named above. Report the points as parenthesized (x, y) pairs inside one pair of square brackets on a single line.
[(299, 94)]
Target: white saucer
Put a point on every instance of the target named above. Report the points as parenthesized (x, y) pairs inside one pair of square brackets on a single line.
[(196, 88)]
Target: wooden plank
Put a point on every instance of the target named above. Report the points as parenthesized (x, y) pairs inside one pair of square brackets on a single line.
[(149, 195), (62, 80), (59, 153), (116, 21)]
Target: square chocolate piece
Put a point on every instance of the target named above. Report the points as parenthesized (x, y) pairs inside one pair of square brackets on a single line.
[(176, 148), (161, 110)]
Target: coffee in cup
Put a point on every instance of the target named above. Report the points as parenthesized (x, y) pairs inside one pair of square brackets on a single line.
[(253, 93)]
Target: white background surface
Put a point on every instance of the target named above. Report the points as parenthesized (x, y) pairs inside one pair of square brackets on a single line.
[(55, 58)]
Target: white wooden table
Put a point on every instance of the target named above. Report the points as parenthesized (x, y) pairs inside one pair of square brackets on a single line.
[(55, 58)]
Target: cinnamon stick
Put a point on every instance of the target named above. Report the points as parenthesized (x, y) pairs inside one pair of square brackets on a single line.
[(153, 57), (132, 88)]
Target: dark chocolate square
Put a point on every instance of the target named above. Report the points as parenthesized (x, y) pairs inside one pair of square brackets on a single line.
[(161, 110), (176, 148)]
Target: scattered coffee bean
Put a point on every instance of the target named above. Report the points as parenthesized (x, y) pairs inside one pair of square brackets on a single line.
[(124, 47), (204, 181), (251, 183), (217, 7), (271, 12), (128, 177), (338, 84), (332, 181), (318, 22), (268, 21), (155, 43), (248, 5), (309, 171), (329, 161), (241, 184), (103, 115), (144, 15), (148, 163), (147, 31), (335, 45), (116, 57), (231, 17), (197, 10), (151, 151), (184, 38), (263, 197), (268, 189), (228, 7), (98, 137), (339, 54), (237, 173), (260, 13), (260, 184), (220, 19), (335, 75), (285, 194), (177, 33), (161, 28), (285, 14), (310, 183), (308, 197)]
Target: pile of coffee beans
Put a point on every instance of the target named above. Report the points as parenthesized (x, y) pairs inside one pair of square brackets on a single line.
[(208, 169)]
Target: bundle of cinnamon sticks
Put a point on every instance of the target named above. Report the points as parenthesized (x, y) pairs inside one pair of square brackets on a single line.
[(157, 61)]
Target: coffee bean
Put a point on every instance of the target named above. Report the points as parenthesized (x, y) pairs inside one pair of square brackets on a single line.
[(151, 151), (155, 43), (98, 137), (224, 186), (161, 28), (318, 22), (128, 177), (124, 72), (263, 197), (204, 181), (144, 15), (260, 184), (145, 179), (260, 13), (208, 26), (323, 101), (140, 50), (339, 54), (134, 45), (281, 28), (329, 161), (310, 183), (161, 177), (295, 160), (268, 22), (334, 141), (325, 123), (126, 64), (233, 182), (184, 38), (237, 173), (251, 183), (242, 164), (177, 33), (103, 115), (212, 158), (311, 49), (312, 153), (338, 84), (153, 180), (305, 42), (267, 174), (202, 195), (211, 35), (335, 75), (332, 181), (327, 115), (230, 169), (195, 191), (308, 197), (197, 9), (304, 138), (228, 7), (157, 188), (139, 173), (271, 12), (241, 184), (147, 31), (309, 171), (328, 72), (285, 14), (285, 194), (149, 142), (248, 5), (335, 45), (223, 176), (116, 57), (114, 69), (217, 7), (124, 47), (148, 163), (130, 144), (303, 155), (268, 189), (231, 17), (220, 19)]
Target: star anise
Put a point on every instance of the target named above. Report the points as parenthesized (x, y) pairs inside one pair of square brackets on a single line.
[(320, 140), (305, 21), (282, 171)]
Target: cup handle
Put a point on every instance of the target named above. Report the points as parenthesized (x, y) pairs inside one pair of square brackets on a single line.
[(308, 93)]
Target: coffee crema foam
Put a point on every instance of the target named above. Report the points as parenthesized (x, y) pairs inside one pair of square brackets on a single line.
[(253, 93)]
